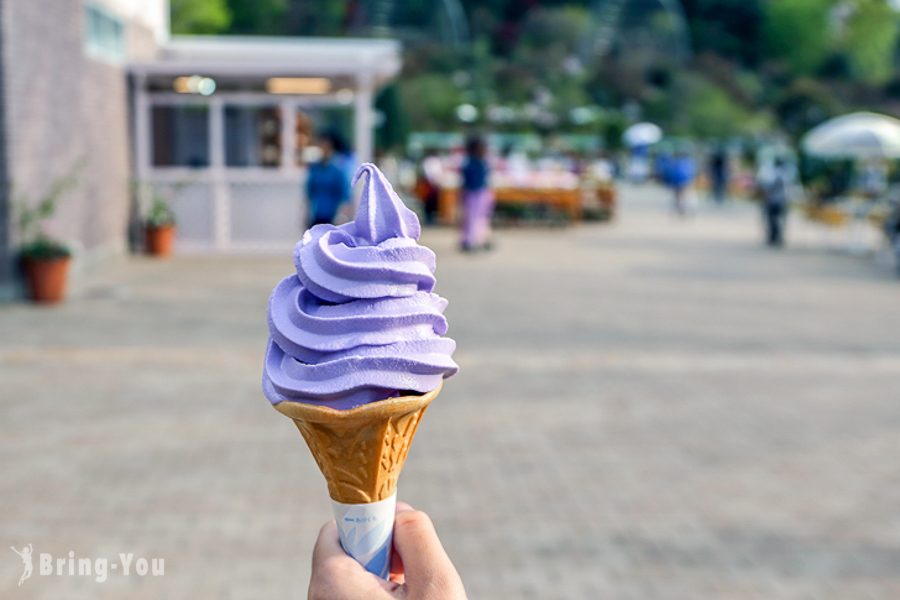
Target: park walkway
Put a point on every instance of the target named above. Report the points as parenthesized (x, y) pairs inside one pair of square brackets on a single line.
[(650, 409)]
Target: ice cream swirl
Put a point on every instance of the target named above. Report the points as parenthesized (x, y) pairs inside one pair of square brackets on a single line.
[(358, 322)]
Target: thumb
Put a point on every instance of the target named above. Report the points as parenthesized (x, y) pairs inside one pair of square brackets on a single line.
[(426, 566)]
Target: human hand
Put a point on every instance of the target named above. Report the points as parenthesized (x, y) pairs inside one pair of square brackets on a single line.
[(420, 568)]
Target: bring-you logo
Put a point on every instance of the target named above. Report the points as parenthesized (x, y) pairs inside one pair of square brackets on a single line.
[(125, 564)]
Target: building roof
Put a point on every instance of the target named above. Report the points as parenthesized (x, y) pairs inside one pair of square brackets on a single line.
[(275, 56)]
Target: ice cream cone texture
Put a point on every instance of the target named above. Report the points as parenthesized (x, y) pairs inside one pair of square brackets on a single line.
[(356, 348), (360, 451)]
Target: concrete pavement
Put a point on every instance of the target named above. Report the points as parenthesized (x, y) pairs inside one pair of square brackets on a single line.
[(650, 409)]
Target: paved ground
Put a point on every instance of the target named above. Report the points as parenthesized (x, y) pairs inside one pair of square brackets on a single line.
[(652, 409)]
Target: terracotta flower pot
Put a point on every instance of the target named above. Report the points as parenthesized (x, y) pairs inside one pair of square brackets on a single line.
[(160, 240), (46, 278)]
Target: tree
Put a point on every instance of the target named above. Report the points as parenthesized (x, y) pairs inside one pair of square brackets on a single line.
[(547, 51), (430, 100), (199, 16), (729, 28), (260, 17), (804, 104), (395, 127), (870, 39), (696, 106), (798, 32)]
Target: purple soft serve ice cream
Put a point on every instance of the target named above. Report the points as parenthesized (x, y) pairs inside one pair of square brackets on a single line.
[(358, 321)]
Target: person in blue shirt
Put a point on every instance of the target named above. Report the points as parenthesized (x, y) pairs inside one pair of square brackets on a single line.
[(681, 173), (343, 155), (327, 185)]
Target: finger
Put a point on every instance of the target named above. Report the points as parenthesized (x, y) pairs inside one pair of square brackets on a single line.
[(397, 571), (425, 563), (396, 561), (328, 544)]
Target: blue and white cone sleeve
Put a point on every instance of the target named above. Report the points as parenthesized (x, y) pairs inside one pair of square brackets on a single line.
[(366, 531)]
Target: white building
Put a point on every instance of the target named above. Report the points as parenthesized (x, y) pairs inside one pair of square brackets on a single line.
[(221, 124)]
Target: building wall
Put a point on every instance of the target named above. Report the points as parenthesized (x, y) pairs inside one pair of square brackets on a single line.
[(6, 267), (63, 108)]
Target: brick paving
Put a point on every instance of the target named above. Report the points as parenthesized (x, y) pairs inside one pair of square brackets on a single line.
[(651, 409)]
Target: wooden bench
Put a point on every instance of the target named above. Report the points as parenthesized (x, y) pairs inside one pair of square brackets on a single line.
[(567, 199)]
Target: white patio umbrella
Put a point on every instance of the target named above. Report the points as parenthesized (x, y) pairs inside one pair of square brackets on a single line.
[(642, 134), (857, 135)]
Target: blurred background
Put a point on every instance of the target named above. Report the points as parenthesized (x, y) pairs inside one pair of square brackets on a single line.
[(669, 232)]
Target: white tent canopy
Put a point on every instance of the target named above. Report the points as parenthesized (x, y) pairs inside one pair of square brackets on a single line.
[(642, 134), (856, 135)]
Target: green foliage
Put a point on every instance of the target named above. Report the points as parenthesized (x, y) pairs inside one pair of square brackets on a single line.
[(870, 39), (702, 109), (729, 28), (199, 16), (755, 64), (44, 248), (269, 17), (613, 128), (804, 104), (394, 130), (554, 32), (36, 242), (550, 38), (160, 214), (798, 32), (430, 100)]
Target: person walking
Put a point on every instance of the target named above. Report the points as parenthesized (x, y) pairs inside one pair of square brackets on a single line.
[(327, 185), (775, 203), (681, 174), (477, 198), (718, 175)]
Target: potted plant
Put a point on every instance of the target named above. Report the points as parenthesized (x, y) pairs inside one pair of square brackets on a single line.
[(159, 228), (44, 259)]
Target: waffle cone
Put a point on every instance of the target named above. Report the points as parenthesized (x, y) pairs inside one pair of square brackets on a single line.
[(360, 451)]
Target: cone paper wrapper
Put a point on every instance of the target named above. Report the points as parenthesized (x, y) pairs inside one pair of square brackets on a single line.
[(366, 531)]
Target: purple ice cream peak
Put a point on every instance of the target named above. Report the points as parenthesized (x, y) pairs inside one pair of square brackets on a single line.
[(359, 322), (382, 214)]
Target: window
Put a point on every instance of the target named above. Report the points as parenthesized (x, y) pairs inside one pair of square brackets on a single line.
[(180, 136), (314, 121), (104, 34), (252, 136)]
